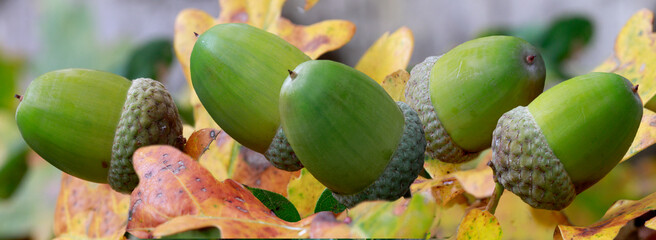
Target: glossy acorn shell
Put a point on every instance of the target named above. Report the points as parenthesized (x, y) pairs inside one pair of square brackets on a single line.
[(589, 122), (342, 125), (473, 84), (237, 71), (69, 118)]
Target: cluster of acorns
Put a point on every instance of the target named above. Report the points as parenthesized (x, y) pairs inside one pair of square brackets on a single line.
[(341, 125)]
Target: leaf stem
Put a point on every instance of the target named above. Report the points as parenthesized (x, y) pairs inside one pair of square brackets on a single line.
[(494, 200)]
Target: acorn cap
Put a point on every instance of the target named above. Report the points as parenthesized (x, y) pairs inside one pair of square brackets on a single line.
[(342, 125), (402, 170), (237, 71), (69, 118), (473, 84), (524, 163), (281, 155), (439, 143), (149, 117), (566, 140)]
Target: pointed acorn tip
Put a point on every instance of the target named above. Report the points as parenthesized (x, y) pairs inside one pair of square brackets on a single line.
[(530, 59), (292, 74), (635, 88), (196, 34), (19, 97)]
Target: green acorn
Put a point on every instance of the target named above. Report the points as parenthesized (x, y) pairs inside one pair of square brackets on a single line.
[(567, 139), (460, 96), (348, 132), (88, 123), (237, 71)]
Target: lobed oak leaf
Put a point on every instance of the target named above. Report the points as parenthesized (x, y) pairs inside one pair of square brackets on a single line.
[(617, 217), (176, 194), (89, 210), (388, 54)]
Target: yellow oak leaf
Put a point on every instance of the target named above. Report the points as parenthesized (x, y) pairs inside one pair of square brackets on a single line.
[(394, 84), (88, 210), (479, 224), (389, 53), (520, 221), (304, 191), (615, 218), (634, 58)]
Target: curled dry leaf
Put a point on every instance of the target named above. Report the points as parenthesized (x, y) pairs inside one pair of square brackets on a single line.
[(479, 224), (389, 53), (621, 213), (89, 210), (176, 194)]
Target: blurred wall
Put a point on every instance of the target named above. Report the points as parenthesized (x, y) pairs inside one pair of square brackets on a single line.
[(438, 25)]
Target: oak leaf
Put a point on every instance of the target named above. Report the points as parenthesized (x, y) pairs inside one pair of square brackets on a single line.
[(176, 194), (90, 210)]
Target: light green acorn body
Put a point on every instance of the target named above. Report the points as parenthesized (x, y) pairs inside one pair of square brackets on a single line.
[(348, 132), (567, 139), (71, 118), (237, 71), (461, 94)]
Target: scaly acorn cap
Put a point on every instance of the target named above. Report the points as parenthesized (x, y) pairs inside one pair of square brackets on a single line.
[(566, 140), (461, 95), (149, 117), (237, 71), (70, 118), (349, 133)]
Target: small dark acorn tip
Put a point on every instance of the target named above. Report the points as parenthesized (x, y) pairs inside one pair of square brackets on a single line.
[(292, 74), (530, 59), (635, 88), (196, 34), (19, 97)]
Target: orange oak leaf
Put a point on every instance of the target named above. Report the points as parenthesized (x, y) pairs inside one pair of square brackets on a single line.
[(225, 158), (254, 170), (389, 53), (610, 224), (176, 194), (89, 210), (199, 141)]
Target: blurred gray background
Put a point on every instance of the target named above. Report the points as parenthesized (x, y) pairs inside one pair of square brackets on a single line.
[(99, 34)]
